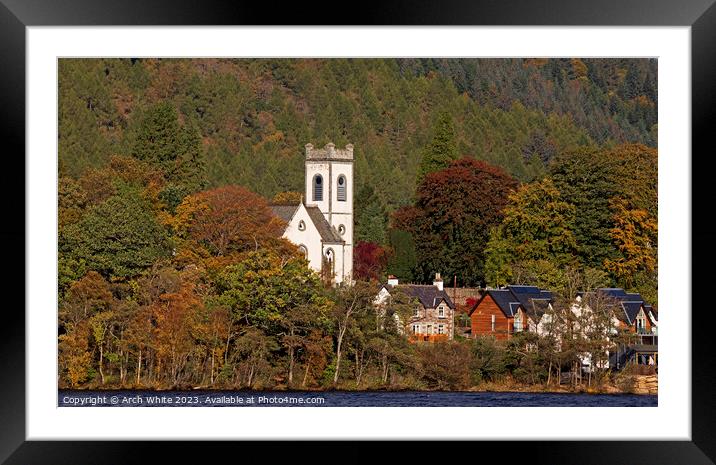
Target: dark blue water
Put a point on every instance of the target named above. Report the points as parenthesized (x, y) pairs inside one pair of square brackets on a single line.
[(345, 399)]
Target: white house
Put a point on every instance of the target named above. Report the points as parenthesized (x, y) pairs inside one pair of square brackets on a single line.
[(322, 224)]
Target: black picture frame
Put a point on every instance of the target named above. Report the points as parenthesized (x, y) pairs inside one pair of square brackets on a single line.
[(16, 15)]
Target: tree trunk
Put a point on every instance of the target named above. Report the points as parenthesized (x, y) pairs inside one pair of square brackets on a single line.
[(101, 357), (212, 367), (305, 373), (139, 365), (251, 376), (290, 365), (341, 333)]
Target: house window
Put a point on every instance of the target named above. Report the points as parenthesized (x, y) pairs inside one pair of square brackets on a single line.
[(518, 323), (493, 323), (416, 329), (416, 312), (301, 225), (341, 230), (318, 188), (342, 188), (640, 324), (441, 311), (441, 329)]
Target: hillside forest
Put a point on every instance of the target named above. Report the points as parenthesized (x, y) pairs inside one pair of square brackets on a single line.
[(171, 268)]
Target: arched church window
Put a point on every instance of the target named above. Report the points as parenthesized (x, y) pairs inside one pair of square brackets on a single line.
[(318, 188), (341, 230), (301, 225), (329, 254), (342, 188), (304, 251)]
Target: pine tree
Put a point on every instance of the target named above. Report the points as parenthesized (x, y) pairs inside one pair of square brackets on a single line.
[(442, 149), (371, 219)]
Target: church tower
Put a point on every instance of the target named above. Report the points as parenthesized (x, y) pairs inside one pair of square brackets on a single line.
[(329, 187)]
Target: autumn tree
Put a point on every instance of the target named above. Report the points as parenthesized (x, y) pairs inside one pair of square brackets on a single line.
[(454, 212), (287, 198), (369, 261), (227, 219), (635, 235), (174, 315), (84, 298), (349, 303), (536, 228)]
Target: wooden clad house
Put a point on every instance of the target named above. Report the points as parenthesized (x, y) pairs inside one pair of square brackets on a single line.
[(433, 316), (502, 312)]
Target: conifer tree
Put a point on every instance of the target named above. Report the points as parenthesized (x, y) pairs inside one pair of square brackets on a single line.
[(442, 150)]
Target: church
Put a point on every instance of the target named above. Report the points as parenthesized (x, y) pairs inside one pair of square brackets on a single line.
[(321, 225)]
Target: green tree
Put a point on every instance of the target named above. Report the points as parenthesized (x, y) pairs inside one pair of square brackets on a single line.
[(118, 238), (371, 218), (175, 149), (263, 288), (586, 179), (537, 226), (442, 150), (402, 261)]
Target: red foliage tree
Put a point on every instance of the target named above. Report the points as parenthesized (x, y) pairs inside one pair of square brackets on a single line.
[(228, 219), (369, 261), (454, 211)]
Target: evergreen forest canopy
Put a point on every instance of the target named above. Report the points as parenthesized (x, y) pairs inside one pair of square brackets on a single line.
[(497, 171)]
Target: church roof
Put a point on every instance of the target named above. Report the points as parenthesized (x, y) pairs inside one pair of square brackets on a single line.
[(285, 212), (327, 232)]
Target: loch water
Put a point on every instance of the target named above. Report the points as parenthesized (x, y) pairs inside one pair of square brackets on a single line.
[(197, 398)]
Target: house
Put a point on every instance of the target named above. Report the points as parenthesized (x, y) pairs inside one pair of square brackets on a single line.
[(638, 321), (502, 312), (433, 316), (321, 225)]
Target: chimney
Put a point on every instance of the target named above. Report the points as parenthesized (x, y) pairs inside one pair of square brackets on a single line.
[(438, 281), (392, 280)]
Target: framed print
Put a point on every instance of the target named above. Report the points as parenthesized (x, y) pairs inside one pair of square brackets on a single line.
[(455, 223)]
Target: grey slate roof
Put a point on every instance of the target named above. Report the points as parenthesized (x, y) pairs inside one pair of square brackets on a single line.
[(285, 212), (428, 295), (532, 300), (328, 233), (630, 303)]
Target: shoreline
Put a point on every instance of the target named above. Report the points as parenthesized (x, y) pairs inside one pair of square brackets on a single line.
[(488, 388)]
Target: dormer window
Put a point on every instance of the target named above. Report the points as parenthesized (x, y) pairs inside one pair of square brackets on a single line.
[(441, 311), (301, 225), (342, 188), (318, 188), (416, 312)]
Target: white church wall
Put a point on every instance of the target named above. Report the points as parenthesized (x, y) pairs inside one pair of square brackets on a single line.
[(309, 237)]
